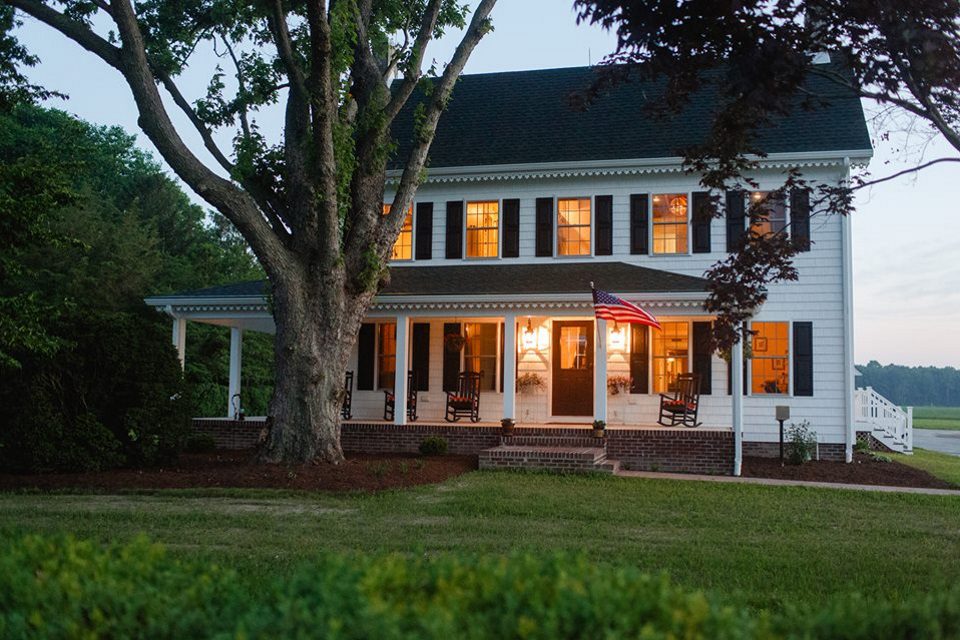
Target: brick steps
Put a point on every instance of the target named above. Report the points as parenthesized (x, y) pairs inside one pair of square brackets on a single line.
[(573, 454)]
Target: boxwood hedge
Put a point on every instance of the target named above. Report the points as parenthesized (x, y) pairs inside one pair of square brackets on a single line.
[(59, 587)]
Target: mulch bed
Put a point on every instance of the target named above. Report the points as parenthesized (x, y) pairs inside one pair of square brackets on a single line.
[(863, 470), (237, 469)]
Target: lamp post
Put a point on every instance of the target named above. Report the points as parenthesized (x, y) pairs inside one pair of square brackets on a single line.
[(783, 414)]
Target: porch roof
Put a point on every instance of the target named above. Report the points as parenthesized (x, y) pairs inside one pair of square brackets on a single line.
[(553, 278)]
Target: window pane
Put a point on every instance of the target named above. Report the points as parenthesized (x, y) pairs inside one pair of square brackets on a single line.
[(573, 226), (403, 247), (775, 212), (670, 355), (386, 354), (573, 348), (480, 352), (483, 229), (670, 214), (770, 366)]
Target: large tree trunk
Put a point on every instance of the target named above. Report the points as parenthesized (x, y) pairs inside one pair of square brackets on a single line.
[(316, 328)]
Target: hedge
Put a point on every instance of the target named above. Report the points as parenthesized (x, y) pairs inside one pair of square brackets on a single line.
[(59, 587)]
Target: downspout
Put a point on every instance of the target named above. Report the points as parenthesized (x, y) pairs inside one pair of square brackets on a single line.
[(849, 373), (736, 392)]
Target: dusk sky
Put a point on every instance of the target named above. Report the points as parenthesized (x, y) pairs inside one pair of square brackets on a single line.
[(906, 232)]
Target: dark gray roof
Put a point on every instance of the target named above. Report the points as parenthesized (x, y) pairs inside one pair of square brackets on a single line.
[(524, 117), (502, 279)]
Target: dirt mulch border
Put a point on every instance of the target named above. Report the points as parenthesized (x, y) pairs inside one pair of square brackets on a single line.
[(865, 469)]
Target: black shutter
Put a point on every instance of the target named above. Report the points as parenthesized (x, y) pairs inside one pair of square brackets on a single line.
[(803, 358), (604, 205), (703, 356), (451, 359), (454, 249), (736, 219), (511, 228), (544, 227), (420, 356), (424, 231), (366, 354), (800, 218), (639, 224), (702, 219), (639, 359)]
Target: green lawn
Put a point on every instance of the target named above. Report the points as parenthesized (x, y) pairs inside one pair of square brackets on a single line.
[(936, 418), (942, 465), (759, 545)]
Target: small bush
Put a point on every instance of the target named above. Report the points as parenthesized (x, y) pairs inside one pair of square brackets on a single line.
[(200, 443), (433, 446), (801, 443)]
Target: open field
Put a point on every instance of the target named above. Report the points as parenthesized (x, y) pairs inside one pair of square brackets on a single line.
[(936, 418), (762, 546)]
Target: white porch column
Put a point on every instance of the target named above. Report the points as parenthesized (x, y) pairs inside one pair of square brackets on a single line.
[(600, 372), (736, 391), (400, 375), (180, 339), (510, 366), (236, 363)]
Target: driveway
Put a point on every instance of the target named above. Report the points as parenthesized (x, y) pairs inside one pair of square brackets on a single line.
[(937, 440)]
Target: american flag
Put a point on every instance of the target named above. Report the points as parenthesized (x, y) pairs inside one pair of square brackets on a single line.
[(607, 306)]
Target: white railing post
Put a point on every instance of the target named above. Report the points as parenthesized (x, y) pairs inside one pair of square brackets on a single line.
[(909, 437)]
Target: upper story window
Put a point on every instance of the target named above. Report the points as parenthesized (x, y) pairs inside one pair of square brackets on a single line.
[(483, 229), (386, 354), (775, 210), (480, 352), (770, 363), (403, 247), (573, 226), (670, 215), (671, 355)]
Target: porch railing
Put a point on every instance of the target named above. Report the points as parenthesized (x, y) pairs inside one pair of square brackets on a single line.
[(873, 412)]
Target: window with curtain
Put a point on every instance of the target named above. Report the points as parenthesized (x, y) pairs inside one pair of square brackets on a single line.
[(774, 213), (670, 223), (573, 226), (670, 355), (770, 362), (403, 247), (480, 352), (386, 355), (483, 229)]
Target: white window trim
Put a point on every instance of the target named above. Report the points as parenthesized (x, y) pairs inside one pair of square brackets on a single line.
[(499, 255), (748, 382), (652, 253), (556, 227)]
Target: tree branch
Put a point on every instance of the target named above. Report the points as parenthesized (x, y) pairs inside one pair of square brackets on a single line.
[(413, 69), (76, 31), (896, 175)]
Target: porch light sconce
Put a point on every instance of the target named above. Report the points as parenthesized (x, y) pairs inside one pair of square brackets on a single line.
[(618, 338), (529, 337)]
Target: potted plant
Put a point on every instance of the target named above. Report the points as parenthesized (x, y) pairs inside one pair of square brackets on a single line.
[(599, 428), (618, 384), (507, 424), (454, 342), (530, 383)]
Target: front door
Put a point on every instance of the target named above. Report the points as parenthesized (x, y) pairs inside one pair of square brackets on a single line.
[(573, 368)]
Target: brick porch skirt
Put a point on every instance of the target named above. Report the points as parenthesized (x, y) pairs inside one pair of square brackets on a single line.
[(642, 449)]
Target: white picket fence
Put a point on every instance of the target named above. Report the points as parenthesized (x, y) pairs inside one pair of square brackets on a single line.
[(888, 423)]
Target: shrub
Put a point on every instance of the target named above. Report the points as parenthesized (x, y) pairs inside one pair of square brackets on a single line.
[(801, 443), (200, 443), (433, 446)]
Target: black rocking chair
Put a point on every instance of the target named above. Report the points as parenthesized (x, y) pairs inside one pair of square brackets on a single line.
[(680, 407), (347, 409), (465, 401), (389, 400)]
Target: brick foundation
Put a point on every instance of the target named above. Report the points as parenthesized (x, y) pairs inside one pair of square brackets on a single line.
[(672, 450), (834, 452)]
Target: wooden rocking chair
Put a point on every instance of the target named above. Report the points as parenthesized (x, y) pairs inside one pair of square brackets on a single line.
[(680, 407), (346, 411), (390, 398), (465, 401)]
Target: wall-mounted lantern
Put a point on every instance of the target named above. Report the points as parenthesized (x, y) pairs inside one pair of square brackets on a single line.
[(529, 337), (618, 338)]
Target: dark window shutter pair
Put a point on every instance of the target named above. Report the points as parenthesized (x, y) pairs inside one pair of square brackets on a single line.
[(454, 243), (511, 228), (451, 359), (736, 219), (703, 214), (423, 233), (639, 359), (800, 218), (604, 225), (420, 356), (544, 240), (803, 358), (366, 355), (639, 224), (703, 356)]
